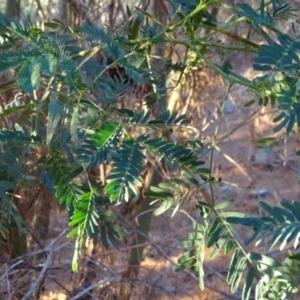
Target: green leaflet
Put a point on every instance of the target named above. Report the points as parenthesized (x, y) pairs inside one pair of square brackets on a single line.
[(248, 284), (10, 111), (265, 260), (169, 187), (224, 204), (233, 264), (105, 134), (125, 172), (28, 77), (55, 112), (238, 273), (74, 127), (228, 246), (219, 244)]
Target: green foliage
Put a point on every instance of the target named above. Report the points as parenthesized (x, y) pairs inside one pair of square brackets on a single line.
[(124, 174), (281, 225), (74, 83), (282, 57)]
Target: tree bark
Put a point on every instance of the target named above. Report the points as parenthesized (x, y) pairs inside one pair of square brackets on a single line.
[(12, 8), (62, 11)]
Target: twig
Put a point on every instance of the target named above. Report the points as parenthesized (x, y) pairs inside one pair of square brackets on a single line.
[(120, 5), (150, 210), (11, 267), (230, 159), (243, 123), (30, 267), (40, 277), (40, 9), (18, 262), (7, 282), (103, 282), (149, 241)]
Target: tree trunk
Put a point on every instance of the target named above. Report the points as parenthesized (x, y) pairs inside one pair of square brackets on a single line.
[(56, 9), (61, 11), (12, 8)]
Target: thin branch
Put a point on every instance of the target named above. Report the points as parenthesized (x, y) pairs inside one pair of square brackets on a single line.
[(7, 282), (40, 9), (40, 277), (230, 159), (101, 283)]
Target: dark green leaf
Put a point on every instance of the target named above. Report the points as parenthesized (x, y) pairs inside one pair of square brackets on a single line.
[(249, 103), (55, 113), (214, 235), (186, 264), (219, 244), (229, 246), (233, 265), (238, 274), (282, 124), (248, 284), (265, 260)]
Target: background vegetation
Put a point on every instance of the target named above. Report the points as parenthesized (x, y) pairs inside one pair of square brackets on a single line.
[(106, 115)]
